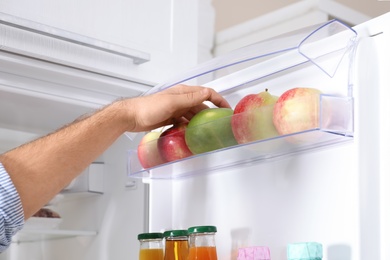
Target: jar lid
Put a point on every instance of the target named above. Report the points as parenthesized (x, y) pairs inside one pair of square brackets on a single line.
[(202, 229), (307, 251), (176, 233), (155, 235)]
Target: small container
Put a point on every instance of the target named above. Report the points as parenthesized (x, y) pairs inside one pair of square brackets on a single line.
[(304, 251), (202, 243), (151, 246), (254, 253), (176, 245)]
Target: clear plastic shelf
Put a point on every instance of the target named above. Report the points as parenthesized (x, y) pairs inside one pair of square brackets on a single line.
[(319, 57), (35, 235), (323, 45)]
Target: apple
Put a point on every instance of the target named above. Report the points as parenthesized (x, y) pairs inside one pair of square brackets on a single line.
[(210, 129), (252, 118), (148, 154), (172, 145), (297, 110)]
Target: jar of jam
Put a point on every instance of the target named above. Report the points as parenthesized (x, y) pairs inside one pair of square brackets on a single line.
[(202, 243), (176, 245), (151, 246)]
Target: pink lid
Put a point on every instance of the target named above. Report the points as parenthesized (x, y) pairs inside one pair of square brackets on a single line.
[(254, 253)]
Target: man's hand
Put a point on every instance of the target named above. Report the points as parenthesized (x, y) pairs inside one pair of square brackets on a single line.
[(174, 105)]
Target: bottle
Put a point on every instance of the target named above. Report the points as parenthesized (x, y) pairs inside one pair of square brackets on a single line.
[(202, 243), (151, 246), (176, 245), (254, 253), (304, 251)]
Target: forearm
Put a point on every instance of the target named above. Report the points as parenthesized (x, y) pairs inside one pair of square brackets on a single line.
[(42, 168)]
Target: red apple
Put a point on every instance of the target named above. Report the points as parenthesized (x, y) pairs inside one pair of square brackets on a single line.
[(172, 145), (148, 154), (252, 118), (297, 110)]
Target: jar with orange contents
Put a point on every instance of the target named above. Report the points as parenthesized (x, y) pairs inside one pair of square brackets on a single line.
[(202, 243), (151, 246), (176, 245)]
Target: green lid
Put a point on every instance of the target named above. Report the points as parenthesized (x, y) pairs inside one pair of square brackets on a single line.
[(304, 251), (150, 235), (202, 229), (176, 233)]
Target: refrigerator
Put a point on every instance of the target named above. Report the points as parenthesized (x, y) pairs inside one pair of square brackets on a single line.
[(331, 187)]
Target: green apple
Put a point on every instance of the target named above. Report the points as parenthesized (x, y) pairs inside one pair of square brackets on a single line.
[(209, 130)]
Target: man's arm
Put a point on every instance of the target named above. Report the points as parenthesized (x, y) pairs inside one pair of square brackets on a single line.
[(42, 168)]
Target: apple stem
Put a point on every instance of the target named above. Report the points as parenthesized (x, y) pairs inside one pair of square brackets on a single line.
[(266, 90)]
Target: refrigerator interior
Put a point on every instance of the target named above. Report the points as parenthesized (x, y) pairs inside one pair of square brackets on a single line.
[(39, 97), (333, 190)]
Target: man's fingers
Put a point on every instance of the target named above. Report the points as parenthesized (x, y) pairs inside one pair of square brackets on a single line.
[(215, 98), (199, 94)]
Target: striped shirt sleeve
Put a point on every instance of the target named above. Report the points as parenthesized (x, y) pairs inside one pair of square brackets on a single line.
[(11, 211)]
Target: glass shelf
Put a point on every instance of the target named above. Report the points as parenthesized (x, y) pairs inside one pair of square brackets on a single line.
[(36, 235), (320, 57)]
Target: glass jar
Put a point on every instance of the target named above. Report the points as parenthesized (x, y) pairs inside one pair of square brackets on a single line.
[(176, 245), (202, 243), (151, 246)]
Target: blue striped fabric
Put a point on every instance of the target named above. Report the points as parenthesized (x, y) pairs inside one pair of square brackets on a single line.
[(11, 211)]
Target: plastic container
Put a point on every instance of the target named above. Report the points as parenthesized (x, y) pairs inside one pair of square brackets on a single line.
[(151, 246), (176, 245), (319, 57), (304, 251), (202, 243), (254, 253)]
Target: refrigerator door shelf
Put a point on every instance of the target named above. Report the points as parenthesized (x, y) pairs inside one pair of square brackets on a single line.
[(243, 154), (323, 45), (306, 58)]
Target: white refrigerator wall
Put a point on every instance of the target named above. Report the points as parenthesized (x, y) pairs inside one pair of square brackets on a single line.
[(374, 167), (337, 196), (296, 199)]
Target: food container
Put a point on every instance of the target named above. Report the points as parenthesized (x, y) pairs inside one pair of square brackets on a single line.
[(304, 251), (151, 246), (176, 245), (254, 253), (202, 243)]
